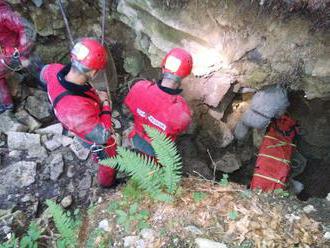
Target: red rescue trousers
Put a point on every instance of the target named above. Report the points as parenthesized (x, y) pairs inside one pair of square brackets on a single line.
[(106, 175), (6, 101)]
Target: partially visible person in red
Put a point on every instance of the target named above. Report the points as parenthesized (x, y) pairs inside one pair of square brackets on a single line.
[(78, 106), (16, 39), (160, 105)]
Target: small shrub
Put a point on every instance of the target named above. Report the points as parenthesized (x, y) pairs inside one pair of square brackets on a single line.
[(198, 196), (11, 243), (132, 192), (224, 180), (33, 235), (281, 193), (97, 239), (159, 179), (132, 217), (232, 215), (30, 240), (65, 225)]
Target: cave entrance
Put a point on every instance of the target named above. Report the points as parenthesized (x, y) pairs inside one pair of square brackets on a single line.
[(200, 148)]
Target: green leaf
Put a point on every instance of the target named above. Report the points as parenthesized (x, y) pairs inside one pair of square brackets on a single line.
[(144, 214), (120, 213), (281, 193), (141, 168), (133, 208), (224, 180), (26, 242), (113, 206), (61, 243), (143, 225), (34, 231), (147, 173), (11, 243), (66, 226), (247, 193), (198, 196), (132, 191), (168, 156), (233, 215), (163, 197), (76, 211)]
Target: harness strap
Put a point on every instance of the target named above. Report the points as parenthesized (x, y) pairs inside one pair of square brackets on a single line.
[(275, 180), (261, 114), (68, 93), (281, 142), (285, 161)]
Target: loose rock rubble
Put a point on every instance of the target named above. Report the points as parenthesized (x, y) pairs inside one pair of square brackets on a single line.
[(38, 161)]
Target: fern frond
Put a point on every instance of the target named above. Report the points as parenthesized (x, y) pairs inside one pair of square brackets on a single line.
[(168, 156), (111, 162), (141, 168), (64, 224)]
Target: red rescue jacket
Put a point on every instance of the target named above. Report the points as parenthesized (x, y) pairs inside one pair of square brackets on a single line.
[(77, 107), (153, 107)]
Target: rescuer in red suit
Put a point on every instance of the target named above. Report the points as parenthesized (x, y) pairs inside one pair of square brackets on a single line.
[(159, 105), (16, 39), (78, 106)]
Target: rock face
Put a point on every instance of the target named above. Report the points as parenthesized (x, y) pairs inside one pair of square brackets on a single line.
[(8, 122), (20, 174), (22, 141), (38, 105), (228, 163), (254, 48), (80, 151), (27, 120), (55, 166), (206, 243)]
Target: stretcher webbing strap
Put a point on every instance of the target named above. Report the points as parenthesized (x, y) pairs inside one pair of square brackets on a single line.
[(285, 161), (281, 142), (269, 178), (104, 147)]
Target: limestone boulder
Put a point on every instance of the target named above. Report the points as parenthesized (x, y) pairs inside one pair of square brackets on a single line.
[(255, 49), (17, 175), (38, 105), (22, 141)]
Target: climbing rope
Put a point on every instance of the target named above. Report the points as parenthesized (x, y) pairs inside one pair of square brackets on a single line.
[(103, 20), (66, 22), (104, 14)]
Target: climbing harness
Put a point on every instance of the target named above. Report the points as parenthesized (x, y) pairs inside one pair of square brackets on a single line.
[(16, 56), (100, 150)]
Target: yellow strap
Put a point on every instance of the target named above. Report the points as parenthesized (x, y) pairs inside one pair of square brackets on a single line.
[(276, 158), (269, 178), (281, 142)]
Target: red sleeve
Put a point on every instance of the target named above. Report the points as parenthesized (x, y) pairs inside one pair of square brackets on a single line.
[(106, 116), (128, 101), (184, 120), (87, 121), (12, 21)]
